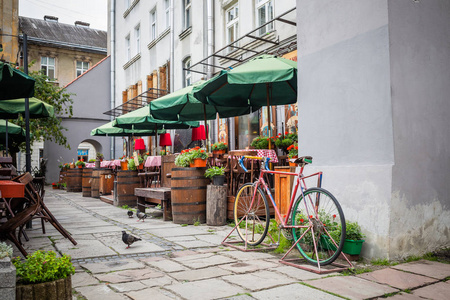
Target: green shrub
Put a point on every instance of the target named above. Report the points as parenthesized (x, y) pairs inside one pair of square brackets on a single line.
[(131, 164), (5, 250), (43, 266), (214, 171)]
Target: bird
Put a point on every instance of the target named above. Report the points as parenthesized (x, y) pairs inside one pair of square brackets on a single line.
[(130, 213), (141, 216), (129, 239)]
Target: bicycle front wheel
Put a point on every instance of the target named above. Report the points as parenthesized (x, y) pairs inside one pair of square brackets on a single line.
[(252, 215), (323, 238)]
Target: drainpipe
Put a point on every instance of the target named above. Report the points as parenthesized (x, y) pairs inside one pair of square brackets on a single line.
[(172, 46), (112, 11), (210, 50)]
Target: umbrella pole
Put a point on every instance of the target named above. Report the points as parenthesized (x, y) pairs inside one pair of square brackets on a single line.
[(27, 112), (156, 140), (206, 128), (268, 116), (6, 134)]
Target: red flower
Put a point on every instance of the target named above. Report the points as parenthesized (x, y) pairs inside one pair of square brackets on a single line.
[(279, 134), (268, 139), (310, 216), (301, 220), (202, 151), (296, 147), (334, 216), (286, 133)]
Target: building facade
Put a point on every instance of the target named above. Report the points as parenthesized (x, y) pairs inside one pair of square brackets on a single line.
[(161, 46)]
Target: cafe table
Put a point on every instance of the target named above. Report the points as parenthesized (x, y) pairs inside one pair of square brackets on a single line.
[(10, 190)]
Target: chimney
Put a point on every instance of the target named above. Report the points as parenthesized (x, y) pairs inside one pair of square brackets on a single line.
[(81, 24), (51, 18)]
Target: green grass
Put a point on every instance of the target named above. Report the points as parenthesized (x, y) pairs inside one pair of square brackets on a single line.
[(382, 262), (184, 225), (356, 271), (197, 223)]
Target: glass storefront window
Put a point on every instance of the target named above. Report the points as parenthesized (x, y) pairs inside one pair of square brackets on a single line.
[(248, 129)]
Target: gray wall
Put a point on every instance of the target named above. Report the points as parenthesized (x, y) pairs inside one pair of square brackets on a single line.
[(358, 121), (92, 99)]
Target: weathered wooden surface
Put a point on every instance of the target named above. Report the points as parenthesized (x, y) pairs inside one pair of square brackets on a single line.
[(216, 205)]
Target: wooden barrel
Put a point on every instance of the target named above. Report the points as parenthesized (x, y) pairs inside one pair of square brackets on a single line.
[(188, 195), (167, 163), (86, 182), (73, 180), (95, 182), (127, 181), (106, 182)]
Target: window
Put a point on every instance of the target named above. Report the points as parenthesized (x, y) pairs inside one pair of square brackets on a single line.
[(127, 3), (153, 25), (232, 20), (187, 72), (167, 8), (137, 35), (128, 47), (187, 14), (48, 66), (264, 10), (82, 67)]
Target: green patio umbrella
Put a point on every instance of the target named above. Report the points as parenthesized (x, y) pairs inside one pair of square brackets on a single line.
[(109, 130), (141, 119), (11, 134), (14, 84), (10, 109), (183, 106), (263, 81)]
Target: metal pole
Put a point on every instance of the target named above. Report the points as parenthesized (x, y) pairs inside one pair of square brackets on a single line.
[(6, 134), (27, 109)]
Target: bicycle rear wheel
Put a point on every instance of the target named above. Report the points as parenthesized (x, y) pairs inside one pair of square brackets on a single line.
[(252, 216), (322, 241)]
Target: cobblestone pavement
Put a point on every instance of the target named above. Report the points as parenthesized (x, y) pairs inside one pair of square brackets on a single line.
[(189, 262)]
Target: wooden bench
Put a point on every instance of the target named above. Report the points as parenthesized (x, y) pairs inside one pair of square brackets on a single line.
[(161, 193)]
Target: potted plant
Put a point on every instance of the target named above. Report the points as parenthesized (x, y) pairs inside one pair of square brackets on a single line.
[(353, 238), (141, 162), (284, 141), (91, 160), (99, 156), (63, 185), (260, 142), (124, 163), (44, 273), (131, 164), (80, 163), (219, 148), (293, 153), (198, 157), (217, 174), (183, 160), (55, 185)]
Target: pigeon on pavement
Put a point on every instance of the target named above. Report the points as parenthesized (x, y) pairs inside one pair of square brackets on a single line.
[(141, 216), (130, 214), (129, 239)]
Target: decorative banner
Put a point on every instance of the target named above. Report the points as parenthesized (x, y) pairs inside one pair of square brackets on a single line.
[(223, 130), (291, 117), (264, 119), (82, 152)]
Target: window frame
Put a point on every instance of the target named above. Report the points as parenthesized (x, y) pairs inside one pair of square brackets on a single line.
[(167, 12), (233, 24), (82, 69), (47, 65), (187, 74), (137, 36), (153, 24), (266, 4), (128, 47), (187, 4)]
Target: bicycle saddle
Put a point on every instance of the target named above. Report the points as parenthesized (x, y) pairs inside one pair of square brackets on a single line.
[(303, 160)]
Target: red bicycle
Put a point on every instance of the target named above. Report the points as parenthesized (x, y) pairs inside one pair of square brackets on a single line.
[(314, 221)]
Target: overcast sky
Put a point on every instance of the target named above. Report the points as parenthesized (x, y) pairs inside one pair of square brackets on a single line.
[(68, 11)]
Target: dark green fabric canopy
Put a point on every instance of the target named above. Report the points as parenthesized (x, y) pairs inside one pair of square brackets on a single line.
[(109, 130), (15, 133), (15, 84), (182, 105), (10, 109), (141, 119), (263, 81)]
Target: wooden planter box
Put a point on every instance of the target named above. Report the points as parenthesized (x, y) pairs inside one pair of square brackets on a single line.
[(60, 289)]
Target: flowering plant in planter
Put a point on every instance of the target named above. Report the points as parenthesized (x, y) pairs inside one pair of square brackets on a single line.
[(80, 163), (293, 150), (183, 160), (99, 156), (214, 171), (260, 142), (283, 142), (43, 266), (219, 146), (198, 152), (131, 164)]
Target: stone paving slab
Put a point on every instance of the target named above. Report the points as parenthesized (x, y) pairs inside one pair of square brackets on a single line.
[(299, 274), (111, 266), (438, 291), (176, 231), (165, 265), (95, 229), (83, 279), (84, 248), (405, 296), (128, 286), (159, 281), (204, 260), (398, 279), (151, 293), (200, 274), (129, 275), (210, 289), (258, 280), (241, 255), (293, 291), (248, 266), (97, 292), (115, 242), (352, 287), (425, 267)]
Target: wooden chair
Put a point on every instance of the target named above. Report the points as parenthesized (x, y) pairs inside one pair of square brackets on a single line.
[(237, 175)]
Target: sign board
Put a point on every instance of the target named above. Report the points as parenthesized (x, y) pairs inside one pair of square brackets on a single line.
[(83, 152)]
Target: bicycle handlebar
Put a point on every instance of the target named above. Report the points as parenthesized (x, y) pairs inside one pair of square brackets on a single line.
[(266, 162)]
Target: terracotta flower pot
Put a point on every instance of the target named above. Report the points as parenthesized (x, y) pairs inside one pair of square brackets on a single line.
[(80, 166), (124, 165), (60, 289), (141, 166), (55, 187), (218, 151), (198, 163)]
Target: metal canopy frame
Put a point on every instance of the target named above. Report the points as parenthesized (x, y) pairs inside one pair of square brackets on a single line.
[(250, 45), (139, 101)]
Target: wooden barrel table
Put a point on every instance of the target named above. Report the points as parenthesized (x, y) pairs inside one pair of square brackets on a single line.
[(73, 180), (188, 195), (167, 163), (95, 181), (106, 184), (127, 181), (86, 182)]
